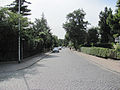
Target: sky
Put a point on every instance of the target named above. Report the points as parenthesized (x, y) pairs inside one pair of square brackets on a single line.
[(55, 11)]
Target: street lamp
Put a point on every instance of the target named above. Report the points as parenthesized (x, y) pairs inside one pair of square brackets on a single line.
[(22, 48), (19, 59)]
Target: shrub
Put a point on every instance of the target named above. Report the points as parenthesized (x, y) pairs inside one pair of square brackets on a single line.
[(118, 55), (103, 45), (112, 54), (101, 52), (116, 47)]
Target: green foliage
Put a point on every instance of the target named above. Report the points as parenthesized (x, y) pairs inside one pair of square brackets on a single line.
[(70, 44), (42, 35), (55, 41), (118, 55), (105, 30), (114, 20), (116, 35), (61, 42), (75, 27), (35, 37), (103, 45), (101, 52), (8, 36), (67, 39), (116, 47), (24, 8), (92, 37)]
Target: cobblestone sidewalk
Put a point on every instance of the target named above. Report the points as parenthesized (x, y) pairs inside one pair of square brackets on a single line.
[(110, 64), (14, 66)]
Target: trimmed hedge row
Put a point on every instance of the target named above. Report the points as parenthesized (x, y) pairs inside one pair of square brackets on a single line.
[(101, 52), (103, 45)]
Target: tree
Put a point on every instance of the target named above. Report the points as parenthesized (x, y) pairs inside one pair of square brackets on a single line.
[(37, 36), (92, 35), (75, 26), (67, 39), (5, 30), (61, 42), (114, 20), (9, 30), (24, 8), (105, 30), (42, 34), (55, 41)]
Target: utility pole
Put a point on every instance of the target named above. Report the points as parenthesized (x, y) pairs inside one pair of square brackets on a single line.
[(19, 59)]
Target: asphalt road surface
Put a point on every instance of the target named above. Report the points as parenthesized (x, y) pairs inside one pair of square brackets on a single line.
[(61, 71)]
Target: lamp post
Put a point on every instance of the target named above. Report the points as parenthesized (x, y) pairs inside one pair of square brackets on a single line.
[(19, 59), (22, 48)]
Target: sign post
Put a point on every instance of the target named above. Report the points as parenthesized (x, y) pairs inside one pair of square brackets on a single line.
[(19, 59)]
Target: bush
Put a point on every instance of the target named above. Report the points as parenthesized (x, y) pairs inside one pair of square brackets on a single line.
[(118, 55), (116, 46), (101, 52), (103, 45)]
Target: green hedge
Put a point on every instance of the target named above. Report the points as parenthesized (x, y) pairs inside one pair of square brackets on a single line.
[(101, 52)]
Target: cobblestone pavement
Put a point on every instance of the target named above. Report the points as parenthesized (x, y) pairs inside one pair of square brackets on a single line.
[(61, 71), (109, 64), (25, 63)]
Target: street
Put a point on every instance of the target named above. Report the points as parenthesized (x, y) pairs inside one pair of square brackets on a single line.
[(61, 71)]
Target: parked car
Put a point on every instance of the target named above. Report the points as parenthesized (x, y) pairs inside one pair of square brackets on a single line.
[(55, 50), (60, 48)]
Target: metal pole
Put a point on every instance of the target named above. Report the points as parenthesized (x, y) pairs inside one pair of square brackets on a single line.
[(19, 59)]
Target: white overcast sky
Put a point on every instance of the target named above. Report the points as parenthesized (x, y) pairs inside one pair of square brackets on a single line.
[(56, 10)]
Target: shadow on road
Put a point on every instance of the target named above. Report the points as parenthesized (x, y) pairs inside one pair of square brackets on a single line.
[(32, 70)]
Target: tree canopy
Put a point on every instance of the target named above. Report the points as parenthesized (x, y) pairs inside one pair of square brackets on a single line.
[(105, 30), (35, 36), (75, 26), (93, 35), (114, 20), (23, 7)]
